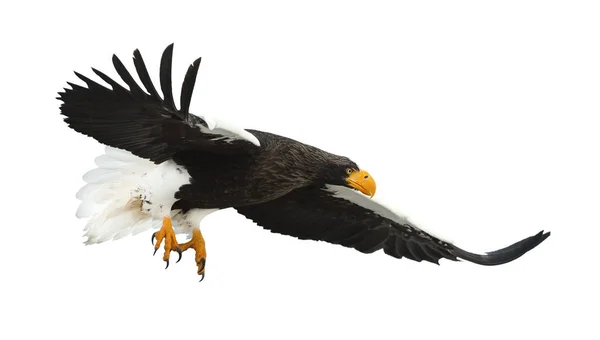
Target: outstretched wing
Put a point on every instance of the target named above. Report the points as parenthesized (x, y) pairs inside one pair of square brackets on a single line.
[(142, 122), (342, 216)]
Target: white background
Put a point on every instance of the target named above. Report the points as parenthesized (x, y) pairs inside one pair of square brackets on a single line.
[(478, 121)]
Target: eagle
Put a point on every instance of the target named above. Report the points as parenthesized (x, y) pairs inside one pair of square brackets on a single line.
[(166, 169)]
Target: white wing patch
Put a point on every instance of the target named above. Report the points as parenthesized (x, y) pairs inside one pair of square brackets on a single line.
[(376, 207), (227, 131), (365, 202)]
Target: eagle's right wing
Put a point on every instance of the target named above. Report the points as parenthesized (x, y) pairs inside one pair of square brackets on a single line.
[(340, 215)]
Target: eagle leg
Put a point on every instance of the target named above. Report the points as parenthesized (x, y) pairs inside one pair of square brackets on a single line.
[(167, 234), (197, 242)]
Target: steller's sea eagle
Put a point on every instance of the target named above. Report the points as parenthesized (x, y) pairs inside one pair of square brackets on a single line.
[(165, 168)]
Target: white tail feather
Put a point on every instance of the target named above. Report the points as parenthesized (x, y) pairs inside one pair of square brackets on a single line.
[(108, 162), (114, 197), (127, 195), (119, 222)]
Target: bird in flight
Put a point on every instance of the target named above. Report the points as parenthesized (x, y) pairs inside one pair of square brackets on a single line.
[(166, 169)]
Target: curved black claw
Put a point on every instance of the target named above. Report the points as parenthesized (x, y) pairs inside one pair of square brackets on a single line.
[(178, 252), (155, 250), (203, 263), (167, 261), (153, 237)]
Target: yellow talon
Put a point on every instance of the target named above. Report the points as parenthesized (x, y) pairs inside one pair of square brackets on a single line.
[(197, 243), (167, 234)]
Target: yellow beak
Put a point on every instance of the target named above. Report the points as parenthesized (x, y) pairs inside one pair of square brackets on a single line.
[(363, 182)]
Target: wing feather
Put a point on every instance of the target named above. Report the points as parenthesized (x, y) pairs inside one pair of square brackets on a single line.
[(115, 86), (166, 63), (188, 86), (92, 85), (135, 89), (142, 72)]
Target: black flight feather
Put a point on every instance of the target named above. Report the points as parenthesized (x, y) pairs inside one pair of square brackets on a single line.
[(433, 256), (415, 250), (166, 63), (188, 88), (90, 83), (142, 72), (115, 86), (135, 89)]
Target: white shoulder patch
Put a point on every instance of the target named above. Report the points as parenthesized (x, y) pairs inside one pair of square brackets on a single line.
[(227, 130), (366, 202), (376, 207)]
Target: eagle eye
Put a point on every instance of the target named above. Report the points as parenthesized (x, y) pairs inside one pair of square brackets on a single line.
[(349, 171)]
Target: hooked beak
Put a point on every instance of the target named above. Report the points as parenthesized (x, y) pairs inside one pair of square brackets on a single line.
[(363, 182)]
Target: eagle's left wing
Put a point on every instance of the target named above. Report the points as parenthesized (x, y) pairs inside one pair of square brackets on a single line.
[(340, 215), (141, 121)]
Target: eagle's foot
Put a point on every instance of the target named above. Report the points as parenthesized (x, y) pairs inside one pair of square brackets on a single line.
[(167, 234), (197, 242)]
